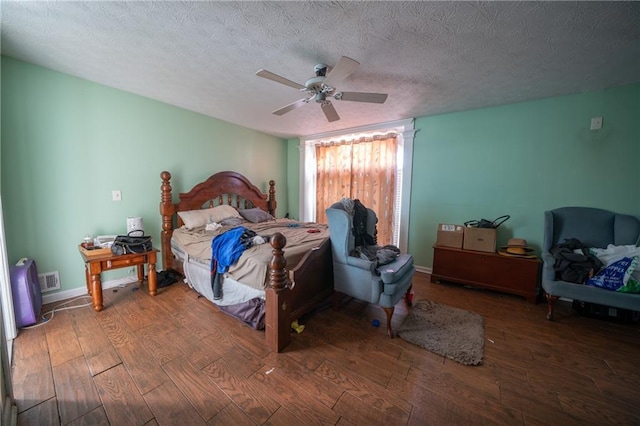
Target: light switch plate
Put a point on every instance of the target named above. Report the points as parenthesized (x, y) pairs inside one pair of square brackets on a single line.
[(596, 123)]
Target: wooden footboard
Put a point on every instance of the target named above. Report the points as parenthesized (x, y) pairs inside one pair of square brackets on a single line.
[(313, 279), (292, 293)]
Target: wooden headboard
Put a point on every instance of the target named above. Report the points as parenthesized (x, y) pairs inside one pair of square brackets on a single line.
[(221, 188)]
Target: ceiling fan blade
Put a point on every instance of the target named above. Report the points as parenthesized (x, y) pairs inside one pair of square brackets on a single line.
[(342, 70), (291, 107), (278, 79), (376, 98), (329, 111)]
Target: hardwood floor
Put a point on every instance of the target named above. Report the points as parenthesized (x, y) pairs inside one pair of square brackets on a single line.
[(176, 359)]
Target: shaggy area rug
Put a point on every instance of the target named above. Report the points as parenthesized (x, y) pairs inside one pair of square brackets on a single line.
[(454, 333)]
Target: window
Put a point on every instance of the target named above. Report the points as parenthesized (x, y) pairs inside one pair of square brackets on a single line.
[(404, 132)]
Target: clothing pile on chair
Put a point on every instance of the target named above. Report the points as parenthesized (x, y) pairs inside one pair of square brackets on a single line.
[(382, 255), (360, 216), (573, 262), (366, 247)]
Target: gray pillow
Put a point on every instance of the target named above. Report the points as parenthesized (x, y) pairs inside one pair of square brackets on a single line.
[(256, 215)]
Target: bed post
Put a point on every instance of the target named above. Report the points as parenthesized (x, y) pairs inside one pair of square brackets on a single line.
[(167, 209), (271, 201), (277, 324)]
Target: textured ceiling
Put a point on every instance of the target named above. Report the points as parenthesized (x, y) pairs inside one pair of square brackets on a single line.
[(430, 57)]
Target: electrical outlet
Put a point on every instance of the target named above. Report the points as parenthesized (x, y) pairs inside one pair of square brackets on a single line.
[(596, 123), (116, 194)]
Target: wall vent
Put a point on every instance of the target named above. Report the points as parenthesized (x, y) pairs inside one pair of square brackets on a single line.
[(49, 281)]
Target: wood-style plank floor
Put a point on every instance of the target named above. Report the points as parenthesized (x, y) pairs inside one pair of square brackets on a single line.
[(176, 359)]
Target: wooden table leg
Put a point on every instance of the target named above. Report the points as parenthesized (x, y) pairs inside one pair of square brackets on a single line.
[(153, 284), (96, 292), (140, 274), (87, 279)]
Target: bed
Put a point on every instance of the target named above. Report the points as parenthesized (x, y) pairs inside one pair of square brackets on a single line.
[(285, 282)]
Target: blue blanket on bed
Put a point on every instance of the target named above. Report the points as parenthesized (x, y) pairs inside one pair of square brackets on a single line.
[(226, 249)]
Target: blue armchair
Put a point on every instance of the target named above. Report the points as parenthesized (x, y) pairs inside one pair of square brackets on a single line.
[(362, 279), (594, 228)]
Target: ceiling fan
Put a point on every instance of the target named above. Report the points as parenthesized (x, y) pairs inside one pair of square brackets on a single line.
[(323, 86)]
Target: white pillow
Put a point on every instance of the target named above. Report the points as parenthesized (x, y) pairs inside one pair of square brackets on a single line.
[(224, 211), (198, 218)]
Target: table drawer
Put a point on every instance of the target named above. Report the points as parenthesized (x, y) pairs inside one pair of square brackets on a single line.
[(123, 262)]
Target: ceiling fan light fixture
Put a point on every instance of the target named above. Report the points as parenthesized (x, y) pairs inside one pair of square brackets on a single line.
[(314, 85), (323, 86)]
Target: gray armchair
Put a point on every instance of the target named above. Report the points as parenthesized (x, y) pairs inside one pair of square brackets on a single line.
[(363, 279), (595, 228)]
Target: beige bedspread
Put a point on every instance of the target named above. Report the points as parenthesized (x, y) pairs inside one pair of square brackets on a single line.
[(253, 266)]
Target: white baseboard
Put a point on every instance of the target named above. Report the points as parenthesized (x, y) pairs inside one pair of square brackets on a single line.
[(82, 291), (424, 269)]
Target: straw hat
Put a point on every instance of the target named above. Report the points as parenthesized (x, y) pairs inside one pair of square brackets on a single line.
[(517, 247)]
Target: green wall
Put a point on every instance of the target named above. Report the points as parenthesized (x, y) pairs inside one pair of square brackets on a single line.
[(67, 143), (523, 159)]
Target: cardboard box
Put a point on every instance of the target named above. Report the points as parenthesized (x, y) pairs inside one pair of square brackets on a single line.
[(450, 235), (480, 239)]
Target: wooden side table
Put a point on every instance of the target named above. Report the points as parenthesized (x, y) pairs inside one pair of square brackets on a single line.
[(96, 264), (519, 276)]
